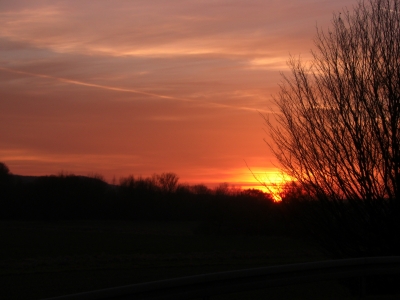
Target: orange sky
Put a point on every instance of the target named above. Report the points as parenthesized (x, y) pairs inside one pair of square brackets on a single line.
[(150, 86)]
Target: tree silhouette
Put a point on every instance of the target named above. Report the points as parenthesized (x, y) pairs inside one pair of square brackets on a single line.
[(5, 176), (337, 132), (4, 170), (337, 129), (167, 182)]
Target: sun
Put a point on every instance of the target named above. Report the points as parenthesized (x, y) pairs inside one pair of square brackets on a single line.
[(270, 181)]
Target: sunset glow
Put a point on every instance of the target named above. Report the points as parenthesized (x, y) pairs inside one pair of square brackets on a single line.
[(142, 87), (270, 181)]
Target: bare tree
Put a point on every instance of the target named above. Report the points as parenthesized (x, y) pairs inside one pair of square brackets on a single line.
[(167, 182), (337, 128)]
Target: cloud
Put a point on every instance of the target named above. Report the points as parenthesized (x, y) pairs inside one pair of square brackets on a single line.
[(164, 85), (134, 91), (159, 28)]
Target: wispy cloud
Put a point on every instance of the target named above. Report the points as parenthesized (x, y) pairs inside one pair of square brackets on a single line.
[(134, 91), (158, 28), (146, 86)]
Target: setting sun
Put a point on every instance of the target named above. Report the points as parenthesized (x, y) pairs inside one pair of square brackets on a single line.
[(267, 180)]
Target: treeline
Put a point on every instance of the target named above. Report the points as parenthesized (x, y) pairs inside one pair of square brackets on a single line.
[(348, 228), (221, 210)]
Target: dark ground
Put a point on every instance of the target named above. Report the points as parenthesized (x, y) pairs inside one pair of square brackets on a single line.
[(46, 259)]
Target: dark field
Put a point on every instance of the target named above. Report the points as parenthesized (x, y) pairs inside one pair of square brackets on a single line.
[(45, 259)]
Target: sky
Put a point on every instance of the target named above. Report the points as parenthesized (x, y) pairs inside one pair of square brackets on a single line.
[(139, 87)]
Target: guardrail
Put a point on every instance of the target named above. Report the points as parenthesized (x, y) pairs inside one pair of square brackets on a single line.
[(207, 285)]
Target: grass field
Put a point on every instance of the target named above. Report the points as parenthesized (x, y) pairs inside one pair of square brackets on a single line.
[(46, 259)]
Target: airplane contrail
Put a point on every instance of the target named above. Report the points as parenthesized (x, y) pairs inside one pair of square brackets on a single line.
[(118, 89)]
